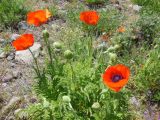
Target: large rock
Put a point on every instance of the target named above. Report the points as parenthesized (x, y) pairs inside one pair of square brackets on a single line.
[(26, 56)]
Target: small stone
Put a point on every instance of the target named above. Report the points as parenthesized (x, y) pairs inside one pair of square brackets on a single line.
[(12, 65), (7, 78), (14, 36), (11, 56), (2, 55), (4, 84), (33, 100), (54, 26), (134, 101), (136, 8), (22, 25), (16, 74)]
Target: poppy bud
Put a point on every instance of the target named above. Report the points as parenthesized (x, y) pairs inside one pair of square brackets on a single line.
[(45, 103), (45, 34), (155, 46), (68, 54), (57, 45), (110, 49), (66, 99), (117, 46), (112, 56), (96, 105)]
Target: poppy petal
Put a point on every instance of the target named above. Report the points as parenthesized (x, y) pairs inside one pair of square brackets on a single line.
[(48, 14), (23, 42), (124, 70)]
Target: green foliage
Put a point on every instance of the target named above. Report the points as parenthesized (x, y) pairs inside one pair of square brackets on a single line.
[(111, 106), (53, 10), (11, 12), (149, 25), (79, 78), (73, 12), (110, 19), (148, 78), (95, 1), (153, 5)]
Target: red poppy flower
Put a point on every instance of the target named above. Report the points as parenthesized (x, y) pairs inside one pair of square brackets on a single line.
[(23, 42), (38, 17), (115, 77), (89, 17)]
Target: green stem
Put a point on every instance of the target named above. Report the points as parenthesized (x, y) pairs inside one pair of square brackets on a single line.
[(72, 71), (50, 56), (49, 49), (90, 47), (36, 62), (73, 75)]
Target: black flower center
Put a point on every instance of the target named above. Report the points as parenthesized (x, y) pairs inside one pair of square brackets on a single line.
[(116, 78)]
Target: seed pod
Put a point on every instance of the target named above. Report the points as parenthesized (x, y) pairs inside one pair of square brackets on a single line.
[(110, 49), (66, 99), (45, 34), (68, 54), (57, 45), (96, 105), (117, 46), (113, 56)]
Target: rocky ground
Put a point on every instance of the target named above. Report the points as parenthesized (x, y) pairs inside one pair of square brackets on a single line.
[(16, 73)]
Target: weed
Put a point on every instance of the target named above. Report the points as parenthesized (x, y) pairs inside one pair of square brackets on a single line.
[(11, 12)]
